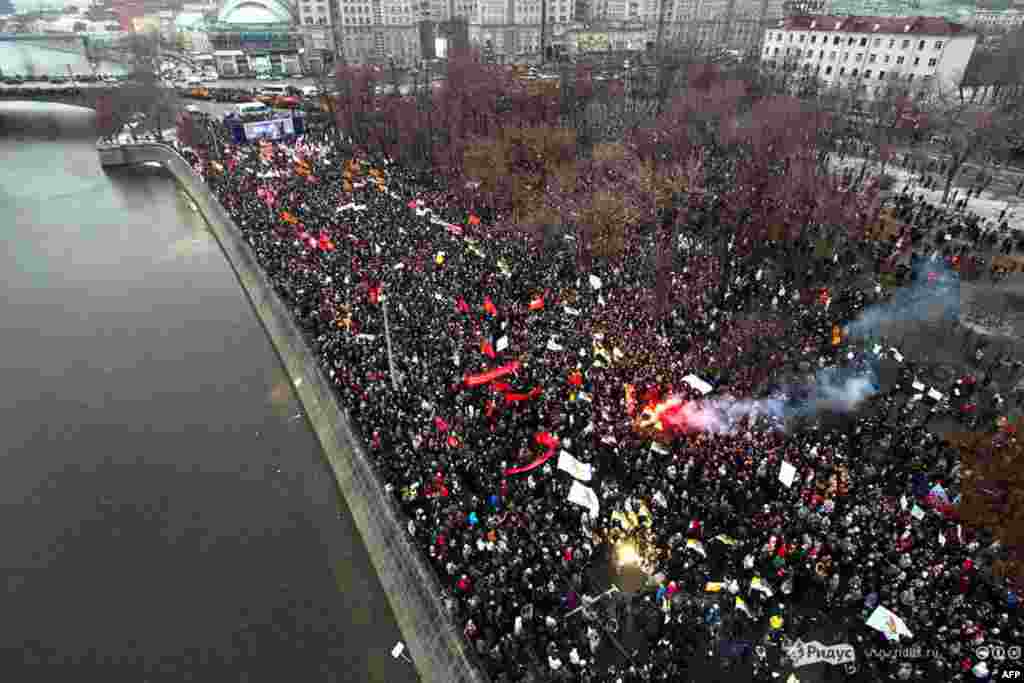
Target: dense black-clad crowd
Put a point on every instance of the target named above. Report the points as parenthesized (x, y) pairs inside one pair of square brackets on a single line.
[(864, 522)]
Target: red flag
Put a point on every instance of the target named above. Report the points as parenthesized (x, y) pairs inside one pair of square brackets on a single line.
[(473, 220), (490, 375), (501, 386), (453, 441), (489, 408), (461, 305), (487, 349), (545, 439), (440, 424), (489, 306), (575, 378), (511, 397), (374, 295), (532, 466), (537, 304)]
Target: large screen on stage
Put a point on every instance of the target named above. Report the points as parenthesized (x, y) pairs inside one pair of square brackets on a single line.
[(275, 129)]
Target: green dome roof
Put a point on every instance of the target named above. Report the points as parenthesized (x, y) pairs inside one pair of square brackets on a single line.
[(255, 12)]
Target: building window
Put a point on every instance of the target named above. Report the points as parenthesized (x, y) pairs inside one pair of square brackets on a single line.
[(854, 73), (892, 43), (850, 41), (886, 59), (910, 77), (932, 61), (899, 60), (863, 42), (881, 75), (821, 54), (938, 44), (878, 41), (867, 74), (814, 39), (801, 37), (917, 61), (835, 41), (872, 58), (842, 70), (906, 44), (828, 71), (846, 56), (920, 46), (860, 56), (832, 56), (776, 52)]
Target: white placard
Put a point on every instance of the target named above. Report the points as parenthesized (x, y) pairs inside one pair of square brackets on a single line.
[(579, 470), (888, 624), (934, 395), (502, 344), (595, 282), (698, 384), (918, 386), (585, 496), (787, 473)]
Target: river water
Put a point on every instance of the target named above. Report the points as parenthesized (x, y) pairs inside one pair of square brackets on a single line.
[(22, 58), (165, 515)]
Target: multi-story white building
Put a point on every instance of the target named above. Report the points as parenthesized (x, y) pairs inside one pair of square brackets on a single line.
[(316, 22), (872, 54), (378, 31), (1005, 19), (733, 24)]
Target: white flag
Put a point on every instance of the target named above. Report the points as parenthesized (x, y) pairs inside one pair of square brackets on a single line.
[(585, 496), (579, 470), (903, 502), (658, 448), (502, 344), (916, 512), (553, 345), (786, 474), (595, 282), (888, 624), (571, 311)]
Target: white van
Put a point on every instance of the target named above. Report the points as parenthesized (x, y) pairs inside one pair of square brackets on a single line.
[(251, 109), (274, 90)]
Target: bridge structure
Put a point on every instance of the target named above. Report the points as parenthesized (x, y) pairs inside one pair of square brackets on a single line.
[(85, 95), (96, 47)]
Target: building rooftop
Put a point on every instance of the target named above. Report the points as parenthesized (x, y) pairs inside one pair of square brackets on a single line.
[(927, 26)]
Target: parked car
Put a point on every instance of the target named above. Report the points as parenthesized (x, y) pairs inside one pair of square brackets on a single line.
[(287, 102)]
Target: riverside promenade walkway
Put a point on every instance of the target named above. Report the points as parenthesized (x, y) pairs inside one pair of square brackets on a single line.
[(438, 649)]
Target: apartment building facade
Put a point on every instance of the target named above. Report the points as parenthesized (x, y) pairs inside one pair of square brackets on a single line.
[(872, 54)]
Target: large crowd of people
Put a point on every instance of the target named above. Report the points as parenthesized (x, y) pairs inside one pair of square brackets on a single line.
[(534, 419)]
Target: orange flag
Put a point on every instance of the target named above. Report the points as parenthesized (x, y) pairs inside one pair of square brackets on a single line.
[(537, 304), (487, 349), (489, 306), (474, 220), (575, 378)]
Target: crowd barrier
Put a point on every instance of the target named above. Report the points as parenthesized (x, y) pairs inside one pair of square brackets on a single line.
[(438, 648)]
